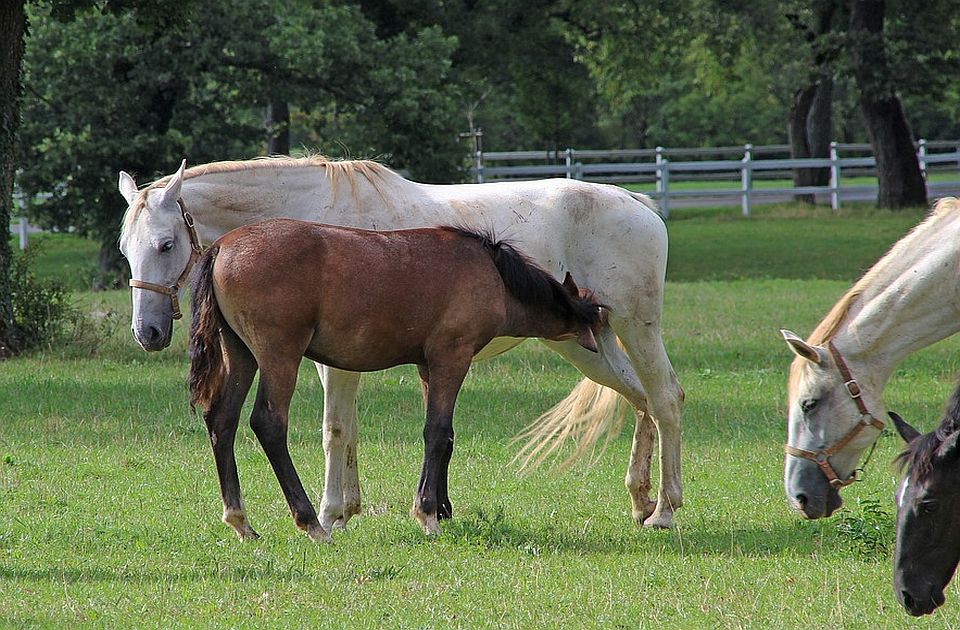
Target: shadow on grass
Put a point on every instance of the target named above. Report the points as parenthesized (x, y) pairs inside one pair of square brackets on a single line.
[(492, 530)]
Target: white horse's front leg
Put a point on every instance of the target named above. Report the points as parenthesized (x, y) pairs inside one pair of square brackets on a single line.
[(341, 487)]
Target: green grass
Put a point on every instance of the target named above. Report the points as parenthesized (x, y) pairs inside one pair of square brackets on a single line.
[(109, 508)]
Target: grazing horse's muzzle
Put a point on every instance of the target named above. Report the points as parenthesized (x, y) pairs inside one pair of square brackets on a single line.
[(918, 605), (152, 338), (808, 490)]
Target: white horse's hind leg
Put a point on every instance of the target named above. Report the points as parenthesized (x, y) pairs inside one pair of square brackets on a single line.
[(644, 346), (612, 368), (341, 487), (637, 479)]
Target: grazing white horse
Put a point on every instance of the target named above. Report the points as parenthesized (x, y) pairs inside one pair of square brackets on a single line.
[(611, 240), (908, 300)]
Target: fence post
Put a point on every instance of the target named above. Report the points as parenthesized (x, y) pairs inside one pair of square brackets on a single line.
[(663, 182), (22, 231), (746, 179), (922, 156), (479, 166), (569, 158), (834, 177)]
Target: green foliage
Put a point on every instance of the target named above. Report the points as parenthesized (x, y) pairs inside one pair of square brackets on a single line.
[(867, 529), (41, 307)]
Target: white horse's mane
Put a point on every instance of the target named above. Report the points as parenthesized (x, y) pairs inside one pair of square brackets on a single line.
[(335, 170)]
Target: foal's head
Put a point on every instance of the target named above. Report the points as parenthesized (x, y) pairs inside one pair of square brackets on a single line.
[(928, 510)]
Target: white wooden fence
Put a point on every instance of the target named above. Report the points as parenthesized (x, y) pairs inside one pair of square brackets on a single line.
[(654, 165), (19, 227)]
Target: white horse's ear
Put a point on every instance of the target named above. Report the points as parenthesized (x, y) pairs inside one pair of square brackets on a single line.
[(802, 349), (128, 187), (171, 192)]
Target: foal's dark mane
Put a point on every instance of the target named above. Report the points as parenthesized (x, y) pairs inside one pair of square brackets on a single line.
[(919, 454), (529, 283)]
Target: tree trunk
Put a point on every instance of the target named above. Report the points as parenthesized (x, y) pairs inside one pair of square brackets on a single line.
[(13, 26), (810, 127), (898, 170), (112, 273), (278, 128)]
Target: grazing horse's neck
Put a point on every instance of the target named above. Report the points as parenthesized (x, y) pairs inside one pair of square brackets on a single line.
[(904, 309)]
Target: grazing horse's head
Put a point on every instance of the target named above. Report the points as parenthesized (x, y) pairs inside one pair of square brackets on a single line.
[(157, 244), (830, 424), (928, 510)]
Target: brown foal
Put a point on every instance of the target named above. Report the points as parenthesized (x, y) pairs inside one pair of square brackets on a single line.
[(267, 294)]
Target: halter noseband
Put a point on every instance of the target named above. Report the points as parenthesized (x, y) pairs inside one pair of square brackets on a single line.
[(195, 251), (821, 458)]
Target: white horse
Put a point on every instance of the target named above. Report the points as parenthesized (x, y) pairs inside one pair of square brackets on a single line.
[(609, 239), (908, 300)]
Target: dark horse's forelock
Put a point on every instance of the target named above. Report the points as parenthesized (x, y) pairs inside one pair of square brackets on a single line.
[(529, 283), (919, 454)]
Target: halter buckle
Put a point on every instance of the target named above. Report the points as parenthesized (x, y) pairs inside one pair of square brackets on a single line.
[(853, 388)]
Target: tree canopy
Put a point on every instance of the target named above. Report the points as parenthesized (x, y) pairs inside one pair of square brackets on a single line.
[(112, 84)]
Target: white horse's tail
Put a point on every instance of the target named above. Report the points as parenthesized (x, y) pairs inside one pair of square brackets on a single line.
[(588, 412)]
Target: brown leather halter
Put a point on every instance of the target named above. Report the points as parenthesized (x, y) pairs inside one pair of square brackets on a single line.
[(195, 251), (821, 458)]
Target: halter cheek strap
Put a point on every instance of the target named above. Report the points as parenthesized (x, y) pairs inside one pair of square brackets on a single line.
[(867, 419), (173, 290)]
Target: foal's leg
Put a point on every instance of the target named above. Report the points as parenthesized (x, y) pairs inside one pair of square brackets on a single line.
[(612, 368), (444, 380), (341, 488), (444, 507), (278, 377), (221, 419)]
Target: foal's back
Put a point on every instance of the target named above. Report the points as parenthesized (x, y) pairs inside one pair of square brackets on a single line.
[(356, 299)]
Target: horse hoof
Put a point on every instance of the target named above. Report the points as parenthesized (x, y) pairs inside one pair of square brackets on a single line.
[(427, 521), (643, 513), (659, 521), (247, 533), (318, 534)]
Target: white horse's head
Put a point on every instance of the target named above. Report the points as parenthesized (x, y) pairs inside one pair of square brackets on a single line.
[(156, 243), (827, 431)]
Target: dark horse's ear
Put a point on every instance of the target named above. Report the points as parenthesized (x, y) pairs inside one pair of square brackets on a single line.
[(907, 432), (949, 446), (571, 286), (587, 340)]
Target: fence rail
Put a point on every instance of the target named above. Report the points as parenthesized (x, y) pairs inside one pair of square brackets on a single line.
[(660, 165)]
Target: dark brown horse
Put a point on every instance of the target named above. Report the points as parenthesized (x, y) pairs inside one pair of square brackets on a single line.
[(268, 294)]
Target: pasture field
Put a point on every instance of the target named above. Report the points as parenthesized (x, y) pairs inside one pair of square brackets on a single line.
[(109, 507)]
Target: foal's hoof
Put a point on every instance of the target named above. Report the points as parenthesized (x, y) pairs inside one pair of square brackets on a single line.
[(237, 519), (247, 534), (318, 534), (427, 521)]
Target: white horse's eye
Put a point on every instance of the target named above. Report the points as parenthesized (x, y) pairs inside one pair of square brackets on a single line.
[(166, 246)]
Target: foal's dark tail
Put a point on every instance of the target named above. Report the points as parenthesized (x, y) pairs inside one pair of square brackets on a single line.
[(530, 284), (206, 358)]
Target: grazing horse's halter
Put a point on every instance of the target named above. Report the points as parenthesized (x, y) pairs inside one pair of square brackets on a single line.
[(195, 251), (820, 458)]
